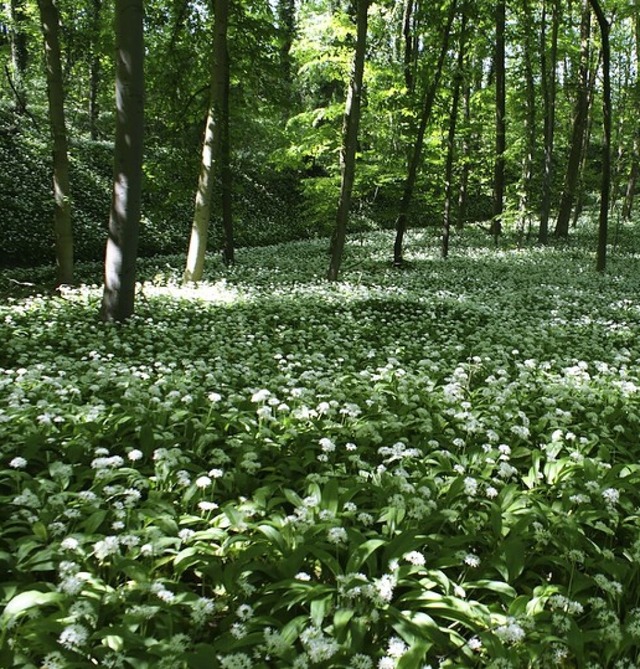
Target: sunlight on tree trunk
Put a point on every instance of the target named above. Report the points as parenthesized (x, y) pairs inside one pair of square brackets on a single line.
[(50, 24), (451, 136), (211, 145), (124, 221), (548, 88), (601, 262), (579, 128), (416, 154), (349, 141), (501, 129)]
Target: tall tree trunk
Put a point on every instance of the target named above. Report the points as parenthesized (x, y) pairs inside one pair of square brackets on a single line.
[(594, 68), (548, 82), (124, 220), (579, 127), (501, 135), (287, 32), (19, 53), (416, 155), (50, 23), (635, 157), (211, 145), (408, 55), (350, 126), (601, 262), (228, 250), (94, 68), (530, 121), (466, 157), (453, 118)]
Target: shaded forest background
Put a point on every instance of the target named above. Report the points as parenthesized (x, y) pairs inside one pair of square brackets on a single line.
[(289, 69)]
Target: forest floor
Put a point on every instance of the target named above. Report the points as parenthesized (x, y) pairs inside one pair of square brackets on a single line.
[(436, 466)]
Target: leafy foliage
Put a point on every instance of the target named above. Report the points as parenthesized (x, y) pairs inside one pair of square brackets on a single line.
[(434, 466)]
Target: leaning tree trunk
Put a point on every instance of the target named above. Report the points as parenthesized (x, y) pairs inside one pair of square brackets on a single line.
[(350, 126), (453, 118), (501, 135), (50, 23), (548, 87), (579, 128), (211, 145), (416, 155), (601, 262), (594, 68), (124, 221)]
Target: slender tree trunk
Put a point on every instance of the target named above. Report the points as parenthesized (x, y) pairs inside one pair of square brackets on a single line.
[(580, 188), (228, 250), (350, 126), (50, 23), (287, 32), (501, 135), (211, 145), (579, 127), (601, 262), (466, 157), (94, 68), (548, 81), (407, 33), (416, 155), (530, 122), (453, 118), (19, 53), (124, 220), (635, 158)]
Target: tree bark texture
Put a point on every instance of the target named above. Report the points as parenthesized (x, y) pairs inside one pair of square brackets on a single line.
[(605, 187), (501, 134), (416, 154), (451, 136), (579, 127), (211, 145), (530, 121), (124, 221), (350, 127), (50, 24), (94, 68), (548, 87), (634, 172)]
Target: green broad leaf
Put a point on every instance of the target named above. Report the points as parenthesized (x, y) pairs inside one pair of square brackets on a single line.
[(29, 600), (274, 536), (500, 587), (575, 641), (147, 440), (326, 560), (412, 625), (514, 554), (329, 499), (414, 657), (341, 619), (362, 554), (93, 522), (40, 531), (320, 608)]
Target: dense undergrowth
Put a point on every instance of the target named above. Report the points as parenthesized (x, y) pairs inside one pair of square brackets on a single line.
[(431, 467)]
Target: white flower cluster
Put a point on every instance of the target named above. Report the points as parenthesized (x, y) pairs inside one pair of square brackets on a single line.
[(318, 646)]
